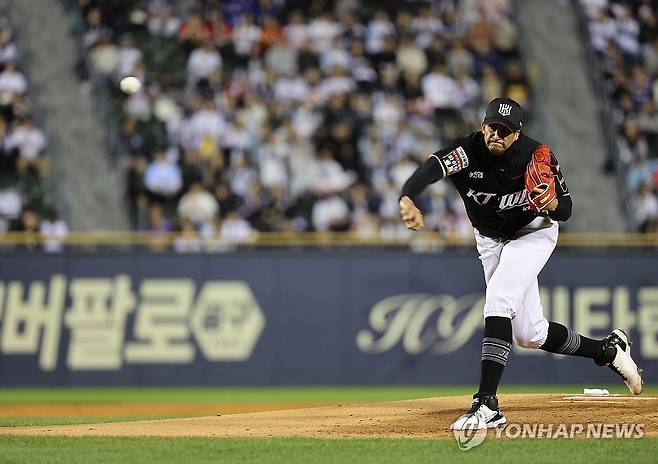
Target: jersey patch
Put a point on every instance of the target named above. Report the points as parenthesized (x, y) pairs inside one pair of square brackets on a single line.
[(455, 161)]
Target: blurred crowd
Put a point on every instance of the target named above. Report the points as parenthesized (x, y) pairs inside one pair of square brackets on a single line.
[(275, 115), (25, 201), (625, 36)]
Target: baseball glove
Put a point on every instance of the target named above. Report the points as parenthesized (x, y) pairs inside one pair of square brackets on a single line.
[(539, 174)]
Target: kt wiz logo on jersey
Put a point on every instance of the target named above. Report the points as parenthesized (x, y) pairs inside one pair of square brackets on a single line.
[(507, 201)]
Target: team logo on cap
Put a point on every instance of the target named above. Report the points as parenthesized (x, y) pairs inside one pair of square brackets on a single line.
[(505, 109)]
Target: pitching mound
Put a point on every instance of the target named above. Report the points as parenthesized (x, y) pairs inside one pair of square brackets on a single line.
[(424, 418)]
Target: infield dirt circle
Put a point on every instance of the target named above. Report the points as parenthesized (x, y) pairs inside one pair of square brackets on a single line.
[(420, 418)]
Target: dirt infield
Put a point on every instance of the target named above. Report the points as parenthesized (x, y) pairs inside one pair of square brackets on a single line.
[(423, 418)]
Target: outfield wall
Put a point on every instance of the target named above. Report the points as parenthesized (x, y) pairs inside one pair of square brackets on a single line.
[(300, 317)]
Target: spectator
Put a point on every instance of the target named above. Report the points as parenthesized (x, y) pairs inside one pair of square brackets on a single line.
[(281, 58), (235, 229), (28, 224), (633, 146), (12, 82), (628, 31), (226, 199), (198, 206), (241, 174), (157, 222), (439, 89), (7, 153), (467, 91), (331, 177), (162, 20), (645, 207), (322, 30), (334, 56), (602, 30), (162, 177), (203, 61), (30, 143), (94, 29), (11, 203), (330, 213), (271, 165), (188, 240), (8, 50), (246, 36), (387, 113), (221, 31), (132, 142), (296, 30), (28, 221), (53, 233), (379, 28), (194, 31), (425, 26), (338, 82), (290, 88), (460, 59), (104, 56), (204, 126), (271, 32), (128, 56), (410, 58)]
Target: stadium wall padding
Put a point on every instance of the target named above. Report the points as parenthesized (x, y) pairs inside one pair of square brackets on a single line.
[(300, 317)]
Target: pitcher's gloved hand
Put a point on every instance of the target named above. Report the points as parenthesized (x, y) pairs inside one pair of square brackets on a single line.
[(539, 180)]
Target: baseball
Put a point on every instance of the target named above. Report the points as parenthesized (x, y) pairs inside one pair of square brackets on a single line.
[(130, 84)]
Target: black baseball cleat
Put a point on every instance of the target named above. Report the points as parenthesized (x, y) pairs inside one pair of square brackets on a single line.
[(484, 413), (617, 356)]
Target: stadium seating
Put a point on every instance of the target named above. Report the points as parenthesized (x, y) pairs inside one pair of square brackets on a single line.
[(625, 37), (277, 116), (26, 203)]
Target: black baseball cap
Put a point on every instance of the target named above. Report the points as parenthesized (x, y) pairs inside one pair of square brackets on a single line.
[(504, 111)]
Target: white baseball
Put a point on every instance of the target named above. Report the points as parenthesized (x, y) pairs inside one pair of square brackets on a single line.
[(130, 84)]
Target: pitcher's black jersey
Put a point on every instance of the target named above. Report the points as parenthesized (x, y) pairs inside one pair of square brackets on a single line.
[(493, 187)]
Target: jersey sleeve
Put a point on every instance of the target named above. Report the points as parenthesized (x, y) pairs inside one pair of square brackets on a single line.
[(453, 158), (449, 160)]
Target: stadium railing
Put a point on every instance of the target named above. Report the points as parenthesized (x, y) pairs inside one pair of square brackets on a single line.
[(420, 241)]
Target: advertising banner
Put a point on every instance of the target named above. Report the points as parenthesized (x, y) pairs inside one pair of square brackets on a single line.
[(305, 317)]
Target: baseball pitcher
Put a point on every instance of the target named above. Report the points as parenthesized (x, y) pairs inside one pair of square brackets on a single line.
[(515, 194)]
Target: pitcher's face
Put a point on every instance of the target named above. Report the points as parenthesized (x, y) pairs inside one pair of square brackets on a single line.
[(498, 137)]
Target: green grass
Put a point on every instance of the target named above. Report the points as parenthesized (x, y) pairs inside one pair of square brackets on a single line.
[(70, 420), (330, 394), (308, 450)]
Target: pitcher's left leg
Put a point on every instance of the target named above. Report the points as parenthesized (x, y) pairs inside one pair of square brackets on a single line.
[(613, 351), (530, 329)]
